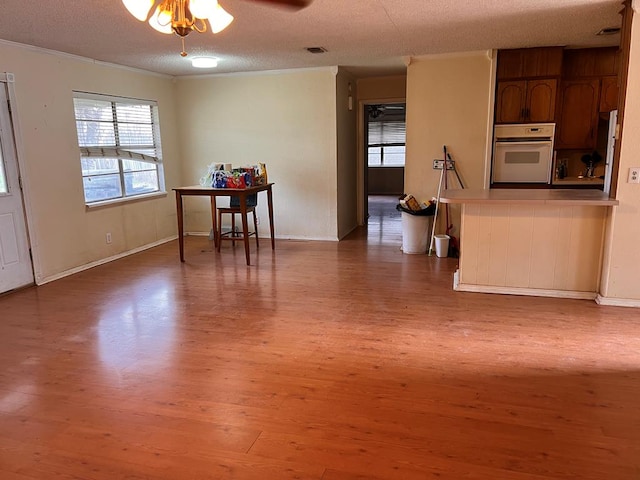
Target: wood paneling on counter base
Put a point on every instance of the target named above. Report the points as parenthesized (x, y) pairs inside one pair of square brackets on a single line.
[(533, 247), (320, 361)]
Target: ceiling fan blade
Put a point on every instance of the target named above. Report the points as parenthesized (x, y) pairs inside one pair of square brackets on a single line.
[(293, 4)]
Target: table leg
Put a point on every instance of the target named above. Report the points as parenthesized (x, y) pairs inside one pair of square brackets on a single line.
[(245, 226), (270, 206), (214, 222), (180, 225)]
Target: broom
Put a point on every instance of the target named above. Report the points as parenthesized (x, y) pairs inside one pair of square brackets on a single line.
[(454, 250), (435, 215)]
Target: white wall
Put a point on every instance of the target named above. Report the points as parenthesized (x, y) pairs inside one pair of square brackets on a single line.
[(621, 275), (389, 88), (284, 119), (449, 102), (347, 167), (64, 234)]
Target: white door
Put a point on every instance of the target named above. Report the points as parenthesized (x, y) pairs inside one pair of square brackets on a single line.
[(16, 269)]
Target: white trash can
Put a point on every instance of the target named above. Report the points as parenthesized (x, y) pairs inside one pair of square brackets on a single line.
[(416, 232), (442, 245)]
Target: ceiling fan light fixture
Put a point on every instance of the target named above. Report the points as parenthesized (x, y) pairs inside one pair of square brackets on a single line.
[(203, 8), (139, 8), (220, 19), (184, 16), (161, 20), (204, 62)]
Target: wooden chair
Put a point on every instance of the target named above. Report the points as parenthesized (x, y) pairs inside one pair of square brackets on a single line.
[(232, 234)]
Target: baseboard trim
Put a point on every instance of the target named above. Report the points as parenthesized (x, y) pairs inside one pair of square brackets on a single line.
[(102, 261), (617, 302), (528, 292), (265, 235)]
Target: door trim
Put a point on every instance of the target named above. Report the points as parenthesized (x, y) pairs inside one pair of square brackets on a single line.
[(362, 159)]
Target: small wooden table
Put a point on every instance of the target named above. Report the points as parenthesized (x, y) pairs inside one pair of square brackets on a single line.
[(213, 193)]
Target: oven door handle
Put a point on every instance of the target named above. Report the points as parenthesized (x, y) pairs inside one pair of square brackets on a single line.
[(534, 143)]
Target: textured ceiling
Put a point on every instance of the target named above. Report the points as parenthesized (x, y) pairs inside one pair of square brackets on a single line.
[(368, 37)]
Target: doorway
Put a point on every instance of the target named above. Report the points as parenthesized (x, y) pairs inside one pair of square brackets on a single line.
[(384, 158), (16, 268)]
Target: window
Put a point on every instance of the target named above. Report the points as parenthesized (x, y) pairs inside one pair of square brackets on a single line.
[(119, 143), (386, 135)]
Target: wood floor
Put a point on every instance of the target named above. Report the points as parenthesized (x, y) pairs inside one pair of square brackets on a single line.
[(331, 361)]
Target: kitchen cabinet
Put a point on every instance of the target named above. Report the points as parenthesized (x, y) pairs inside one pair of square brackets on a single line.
[(523, 63), (526, 101), (609, 93), (590, 62), (577, 121)]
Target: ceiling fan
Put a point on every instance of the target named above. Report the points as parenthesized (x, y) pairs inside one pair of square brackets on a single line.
[(184, 16), (376, 111)]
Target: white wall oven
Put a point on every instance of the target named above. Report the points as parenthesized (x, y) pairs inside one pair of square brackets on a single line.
[(523, 153)]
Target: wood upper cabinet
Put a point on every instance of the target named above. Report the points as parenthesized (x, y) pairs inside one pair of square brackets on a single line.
[(526, 101), (529, 63), (609, 93), (510, 101), (541, 100), (578, 114), (590, 62)]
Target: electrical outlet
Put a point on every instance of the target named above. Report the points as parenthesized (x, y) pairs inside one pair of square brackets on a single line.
[(438, 164), (634, 175), (108, 237)]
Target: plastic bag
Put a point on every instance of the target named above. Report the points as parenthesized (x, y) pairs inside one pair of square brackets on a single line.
[(207, 179), (426, 211)]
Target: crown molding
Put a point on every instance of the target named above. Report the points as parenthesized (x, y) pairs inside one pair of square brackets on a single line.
[(78, 58), (331, 69)]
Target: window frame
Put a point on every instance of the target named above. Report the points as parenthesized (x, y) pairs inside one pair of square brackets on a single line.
[(382, 147), (382, 144), (122, 153)]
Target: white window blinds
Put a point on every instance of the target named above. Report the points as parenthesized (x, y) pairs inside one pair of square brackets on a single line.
[(387, 133), (119, 143), (116, 128)]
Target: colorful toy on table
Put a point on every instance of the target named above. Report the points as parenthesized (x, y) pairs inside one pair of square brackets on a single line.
[(224, 176)]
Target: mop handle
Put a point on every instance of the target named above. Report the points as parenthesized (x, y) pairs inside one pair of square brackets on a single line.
[(435, 214)]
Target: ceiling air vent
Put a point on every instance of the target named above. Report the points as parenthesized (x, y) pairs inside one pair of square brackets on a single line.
[(609, 31), (316, 49)]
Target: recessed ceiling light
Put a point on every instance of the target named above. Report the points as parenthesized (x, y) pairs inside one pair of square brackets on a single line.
[(316, 49), (204, 62)]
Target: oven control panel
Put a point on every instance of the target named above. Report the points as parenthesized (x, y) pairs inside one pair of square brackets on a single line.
[(524, 130)]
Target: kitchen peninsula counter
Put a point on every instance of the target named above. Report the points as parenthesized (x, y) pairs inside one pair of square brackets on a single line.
[(558, 197), (539, 242)]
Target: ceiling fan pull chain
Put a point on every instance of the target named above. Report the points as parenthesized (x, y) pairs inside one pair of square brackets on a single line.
[(183, 53)]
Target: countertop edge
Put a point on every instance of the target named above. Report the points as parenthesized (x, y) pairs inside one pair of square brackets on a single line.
[(552, 197)]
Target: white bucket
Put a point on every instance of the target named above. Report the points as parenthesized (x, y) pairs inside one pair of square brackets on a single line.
[(416, 230), (442, 245)]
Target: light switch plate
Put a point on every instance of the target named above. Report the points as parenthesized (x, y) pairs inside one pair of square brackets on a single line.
[(439, 164), (634, 175)]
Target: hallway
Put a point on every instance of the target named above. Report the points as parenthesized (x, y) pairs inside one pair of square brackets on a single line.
[(384, 225)]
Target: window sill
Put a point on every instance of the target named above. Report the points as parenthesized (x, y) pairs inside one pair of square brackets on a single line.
[(118, 201), (385, 166)]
